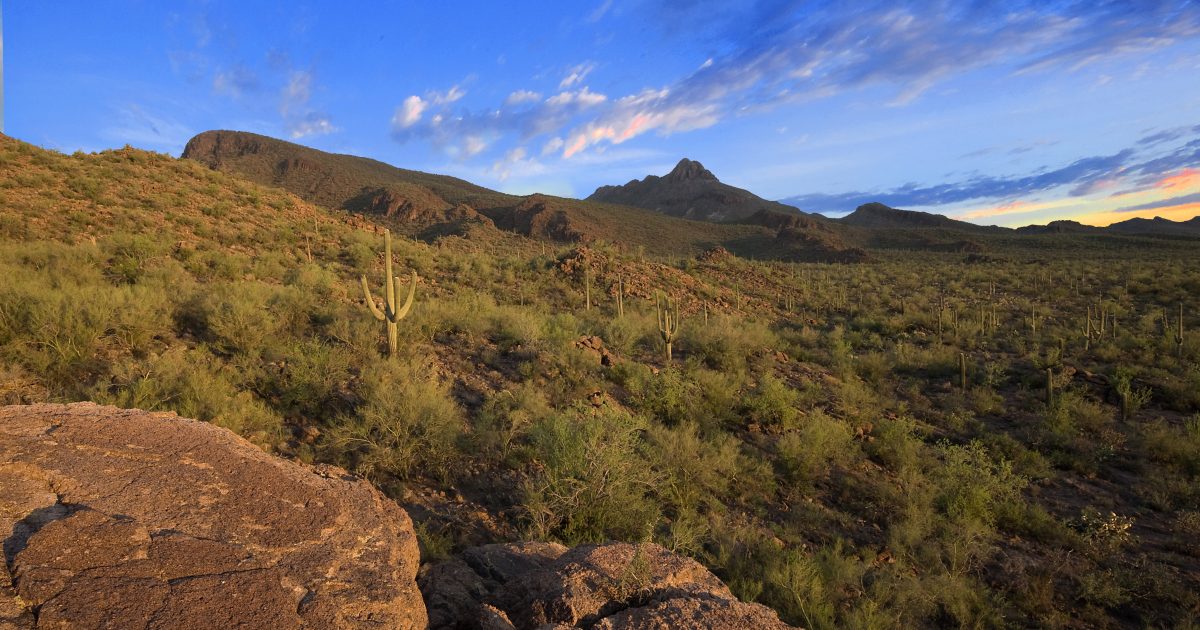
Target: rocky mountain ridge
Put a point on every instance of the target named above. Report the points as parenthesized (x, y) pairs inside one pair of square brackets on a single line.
[(689, 191)]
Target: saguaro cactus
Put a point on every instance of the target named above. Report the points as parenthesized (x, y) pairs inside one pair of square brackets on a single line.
[(620, 296), (1179, 333), (668, 322), (1049, 387), (390, 314), (962, 370)]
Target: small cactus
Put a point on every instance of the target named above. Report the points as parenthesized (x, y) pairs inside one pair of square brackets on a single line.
[(390, 314)]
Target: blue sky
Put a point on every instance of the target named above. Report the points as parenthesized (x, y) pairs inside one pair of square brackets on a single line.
[(995, 112)]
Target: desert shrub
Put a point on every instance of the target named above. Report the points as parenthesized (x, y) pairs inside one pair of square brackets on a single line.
[(973, 485), (506, 417), (1178, 448), (817, 589), (191, 384), (407, 425), (310, 380), (727, 342), (820, 442), (56, 332), (129, 255), (897, 444), (772, 403), (668, 396), (241, 317), (694, 472), (592, 483), (19, 387), (141, 313)]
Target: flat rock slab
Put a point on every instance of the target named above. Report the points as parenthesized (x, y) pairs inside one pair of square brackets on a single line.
[(129, 519)]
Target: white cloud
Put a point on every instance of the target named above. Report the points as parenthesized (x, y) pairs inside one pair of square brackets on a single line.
[(312, 125), (583, 98), (637, 114), (554, 144), (409, 112), (522, 96), (449, 96), (517, 163), (576, 75), (473, 145)]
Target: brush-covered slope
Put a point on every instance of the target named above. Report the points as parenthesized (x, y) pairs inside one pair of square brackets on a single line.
[(689, 191), (340, 181), (811, 423)]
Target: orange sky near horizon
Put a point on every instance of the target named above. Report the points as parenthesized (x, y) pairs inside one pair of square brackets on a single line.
[(1100, 211)]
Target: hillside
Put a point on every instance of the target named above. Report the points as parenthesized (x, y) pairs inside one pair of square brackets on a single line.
[(879, 216), (1157, 226), (334, 180), (933, 439), (690, 191), (1060, 227), (434, 206)]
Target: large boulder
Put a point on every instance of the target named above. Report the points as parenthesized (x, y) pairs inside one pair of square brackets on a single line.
[(614, 586), (129, 519)]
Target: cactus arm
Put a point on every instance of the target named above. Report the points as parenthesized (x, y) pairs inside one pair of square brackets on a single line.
[(412, 290), (371, 301)]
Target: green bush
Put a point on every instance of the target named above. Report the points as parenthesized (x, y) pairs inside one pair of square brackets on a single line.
[(407, 424), (592, 483)]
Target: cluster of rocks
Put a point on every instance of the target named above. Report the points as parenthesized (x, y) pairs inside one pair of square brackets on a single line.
[(130, 519), (545, 585)]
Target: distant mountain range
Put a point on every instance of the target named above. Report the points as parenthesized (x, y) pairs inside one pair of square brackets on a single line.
[(687, 210)]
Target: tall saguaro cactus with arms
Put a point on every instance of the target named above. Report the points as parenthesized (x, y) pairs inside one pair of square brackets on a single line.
[(390, 314), (668, 323)]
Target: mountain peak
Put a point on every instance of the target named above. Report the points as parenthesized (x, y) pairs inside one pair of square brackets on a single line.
[(688, 170)]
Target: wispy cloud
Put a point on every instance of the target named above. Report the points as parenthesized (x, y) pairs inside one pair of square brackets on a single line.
[(1169, 202), (296, 93), (576, 75), (235, 81), (1127, 170), (314, 124), (780, 52), (151, 130), (521, 97)]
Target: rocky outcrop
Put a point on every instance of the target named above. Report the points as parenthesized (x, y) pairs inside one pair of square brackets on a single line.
[(689, 191), (129, 519), (538, 217), (614, 586)]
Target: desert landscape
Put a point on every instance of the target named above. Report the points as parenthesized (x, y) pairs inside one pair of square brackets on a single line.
[(256, 383)]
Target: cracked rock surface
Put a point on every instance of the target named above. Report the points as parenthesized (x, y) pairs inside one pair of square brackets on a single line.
[(130, 519), (616, 586)]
